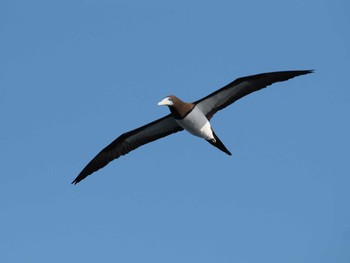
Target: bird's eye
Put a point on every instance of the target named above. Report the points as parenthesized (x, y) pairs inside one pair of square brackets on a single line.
[(170, 99)]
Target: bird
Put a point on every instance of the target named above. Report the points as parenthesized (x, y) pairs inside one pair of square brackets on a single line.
[(193, 117)]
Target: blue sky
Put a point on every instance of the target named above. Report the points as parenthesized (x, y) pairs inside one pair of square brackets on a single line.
[(74, 75)]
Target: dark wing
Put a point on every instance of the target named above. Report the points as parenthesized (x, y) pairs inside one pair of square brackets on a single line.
[(241, 87), (129, 141)]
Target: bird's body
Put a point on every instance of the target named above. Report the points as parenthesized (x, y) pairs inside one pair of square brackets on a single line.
[(192, 117), (197, 124)]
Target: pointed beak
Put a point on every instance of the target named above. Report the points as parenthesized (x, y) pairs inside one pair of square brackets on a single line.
[(164, 102)]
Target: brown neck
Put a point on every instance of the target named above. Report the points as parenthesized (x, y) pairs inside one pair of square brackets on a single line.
[(180, 109)]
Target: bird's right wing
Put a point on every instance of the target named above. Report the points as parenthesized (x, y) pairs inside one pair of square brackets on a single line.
[(129, 141)]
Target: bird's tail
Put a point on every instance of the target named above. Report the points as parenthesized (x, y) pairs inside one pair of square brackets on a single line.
[(218, 144)]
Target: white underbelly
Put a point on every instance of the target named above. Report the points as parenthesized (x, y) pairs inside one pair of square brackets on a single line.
[(197, 124)]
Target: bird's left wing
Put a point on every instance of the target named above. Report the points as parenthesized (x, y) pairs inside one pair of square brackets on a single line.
[(241, 87), (129, 141)]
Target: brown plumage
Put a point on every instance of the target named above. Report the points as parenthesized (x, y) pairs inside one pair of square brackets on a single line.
[(180, 109)]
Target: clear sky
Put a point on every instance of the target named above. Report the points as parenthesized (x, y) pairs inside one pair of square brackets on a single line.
[(74, 75)]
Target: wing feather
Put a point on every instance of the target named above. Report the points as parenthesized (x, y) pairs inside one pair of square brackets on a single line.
[(129, 141), (241, 87)]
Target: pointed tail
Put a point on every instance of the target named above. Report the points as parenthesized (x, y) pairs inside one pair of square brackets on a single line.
[(218, 144)]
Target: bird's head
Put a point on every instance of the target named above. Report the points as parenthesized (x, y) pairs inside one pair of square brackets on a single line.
[(178, 108)]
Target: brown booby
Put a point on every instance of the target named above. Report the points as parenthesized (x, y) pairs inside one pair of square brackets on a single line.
[(193, 117)]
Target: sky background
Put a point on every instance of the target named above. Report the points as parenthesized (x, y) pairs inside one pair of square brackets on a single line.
[(74, 75)]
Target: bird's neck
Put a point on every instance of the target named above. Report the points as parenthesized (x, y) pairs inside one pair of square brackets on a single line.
[(181, 110)]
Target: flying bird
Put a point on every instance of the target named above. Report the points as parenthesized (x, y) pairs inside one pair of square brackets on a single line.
[(193, 117)]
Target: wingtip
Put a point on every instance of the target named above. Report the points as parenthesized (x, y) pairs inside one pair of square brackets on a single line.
[(75, 181), (296, 73), (308, 71), (303, 72)]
